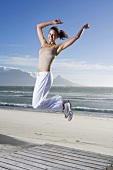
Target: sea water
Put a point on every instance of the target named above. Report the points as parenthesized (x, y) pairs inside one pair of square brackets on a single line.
[(90, 101)]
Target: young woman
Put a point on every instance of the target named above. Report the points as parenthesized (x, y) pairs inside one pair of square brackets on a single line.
[(49, 50)]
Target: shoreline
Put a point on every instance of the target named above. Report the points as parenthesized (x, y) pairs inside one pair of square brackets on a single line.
[(20, 129), (75, 112)]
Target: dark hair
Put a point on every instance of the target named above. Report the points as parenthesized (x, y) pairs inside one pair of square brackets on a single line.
[(61, 34)]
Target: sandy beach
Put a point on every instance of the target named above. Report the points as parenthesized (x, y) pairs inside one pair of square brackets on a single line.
[(20, 129)]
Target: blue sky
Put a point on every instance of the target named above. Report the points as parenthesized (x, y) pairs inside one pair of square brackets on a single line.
[(89, 61)]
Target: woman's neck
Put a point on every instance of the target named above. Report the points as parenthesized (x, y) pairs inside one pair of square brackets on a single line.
[(52, 43)]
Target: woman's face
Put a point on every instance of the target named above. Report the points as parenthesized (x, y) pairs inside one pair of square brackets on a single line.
[(52, 36)]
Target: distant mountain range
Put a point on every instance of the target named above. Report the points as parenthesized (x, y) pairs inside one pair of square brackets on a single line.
[(59, 81), (17, 77)]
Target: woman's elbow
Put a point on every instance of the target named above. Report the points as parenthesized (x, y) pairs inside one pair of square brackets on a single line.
[(77, 37), (39, 26)]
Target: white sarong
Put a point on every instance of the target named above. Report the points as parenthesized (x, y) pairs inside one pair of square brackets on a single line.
[(42, 87)]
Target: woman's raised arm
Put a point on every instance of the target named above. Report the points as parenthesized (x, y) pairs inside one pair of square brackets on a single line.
[(72, 40), (41, 26)]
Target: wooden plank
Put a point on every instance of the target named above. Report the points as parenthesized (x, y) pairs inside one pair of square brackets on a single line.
[(57, 161), (69, 160), (54, 157), (88, 153), (1, 168), (10, 166), (51, 162), (70, 156), (79, 152), (20, 165), (40, 160), (83, 159)]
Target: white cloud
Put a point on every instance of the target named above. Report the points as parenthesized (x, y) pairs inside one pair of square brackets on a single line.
[(82, 65), (59, 64), (19, 60), (80, 72), (84, 73), (91, 79)]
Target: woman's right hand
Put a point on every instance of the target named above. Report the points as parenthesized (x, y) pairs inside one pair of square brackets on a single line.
[(57, 21)]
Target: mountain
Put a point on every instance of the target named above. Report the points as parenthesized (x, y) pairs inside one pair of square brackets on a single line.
[(17, 77), (59, 81)]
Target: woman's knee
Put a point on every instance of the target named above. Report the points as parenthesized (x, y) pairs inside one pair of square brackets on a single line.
[(35, 105)]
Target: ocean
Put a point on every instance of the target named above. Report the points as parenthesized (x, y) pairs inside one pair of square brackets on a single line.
[(90, 101)]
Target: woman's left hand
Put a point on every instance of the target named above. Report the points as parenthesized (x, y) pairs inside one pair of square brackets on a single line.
[(86, 26)]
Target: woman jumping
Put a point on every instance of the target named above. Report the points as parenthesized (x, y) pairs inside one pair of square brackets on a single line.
[(49, 50)]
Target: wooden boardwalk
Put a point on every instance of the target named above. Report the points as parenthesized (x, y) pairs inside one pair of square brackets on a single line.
[(54, 157)]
